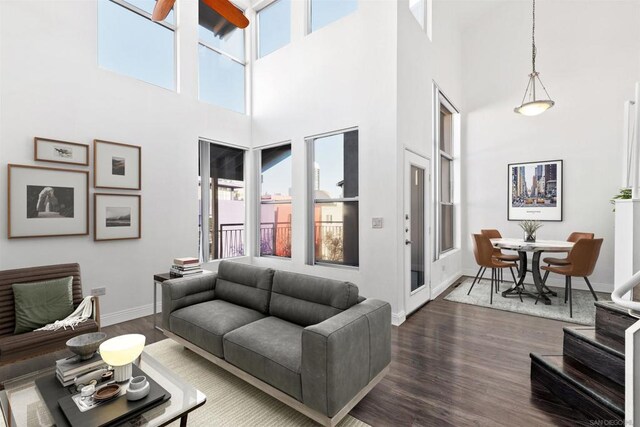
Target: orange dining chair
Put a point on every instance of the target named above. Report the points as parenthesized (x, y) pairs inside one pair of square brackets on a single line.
[(483, 252), (497, 253), (581, 262), (573, 237)]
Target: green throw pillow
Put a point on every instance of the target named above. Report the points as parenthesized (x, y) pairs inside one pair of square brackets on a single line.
[(40, 303)]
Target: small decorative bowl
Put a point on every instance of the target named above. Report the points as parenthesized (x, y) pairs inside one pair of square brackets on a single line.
[(86, 345), (138, 388)]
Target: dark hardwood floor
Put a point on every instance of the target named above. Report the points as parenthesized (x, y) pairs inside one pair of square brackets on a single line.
[(452, 364)]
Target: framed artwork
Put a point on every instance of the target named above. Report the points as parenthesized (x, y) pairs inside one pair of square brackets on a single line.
[(47, 202), (116, 216), (52, 150), (535, 191), (116, 165)]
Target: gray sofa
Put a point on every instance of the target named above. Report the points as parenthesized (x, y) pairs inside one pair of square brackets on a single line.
[(313, 343)]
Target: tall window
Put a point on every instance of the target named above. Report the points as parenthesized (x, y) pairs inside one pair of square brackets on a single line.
[(445, 176), (222, 64), (222, 200), (333, 213), (130, 43), (324, 12), (274, 27), (275, 201)]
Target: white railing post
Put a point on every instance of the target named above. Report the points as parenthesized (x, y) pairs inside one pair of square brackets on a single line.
[(632, 373)]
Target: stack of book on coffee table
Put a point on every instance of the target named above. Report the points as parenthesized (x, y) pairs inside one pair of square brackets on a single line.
[(185, 267), (67, 370)]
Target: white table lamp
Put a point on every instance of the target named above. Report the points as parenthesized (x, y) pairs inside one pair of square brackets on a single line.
[(120, 352)]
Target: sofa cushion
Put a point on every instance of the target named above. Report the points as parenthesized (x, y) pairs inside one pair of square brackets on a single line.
[(270, 350), (205, 324), (43, 302), (307, 300), (245, 285), (15, 347)]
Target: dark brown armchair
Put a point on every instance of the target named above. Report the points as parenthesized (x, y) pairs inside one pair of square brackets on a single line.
[(30, 344), (581, 262)]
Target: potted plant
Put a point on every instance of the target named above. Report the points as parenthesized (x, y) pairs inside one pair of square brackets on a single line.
[(530, 227), (625, 194)]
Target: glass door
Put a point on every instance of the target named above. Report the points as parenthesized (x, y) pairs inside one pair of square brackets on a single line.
[(416, 228)]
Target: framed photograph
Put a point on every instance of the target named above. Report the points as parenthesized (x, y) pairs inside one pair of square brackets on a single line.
[(47, 202), (535, 191), (52, 150), (116, 165), (116, 216)]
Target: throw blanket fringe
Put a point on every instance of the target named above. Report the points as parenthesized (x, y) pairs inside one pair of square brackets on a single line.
[(80, 314)]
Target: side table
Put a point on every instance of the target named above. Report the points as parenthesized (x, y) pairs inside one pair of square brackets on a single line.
[(157, 280)]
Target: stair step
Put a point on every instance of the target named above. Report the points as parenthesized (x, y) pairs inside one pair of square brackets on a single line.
[(599, 352), (612, 320), (582, 388)]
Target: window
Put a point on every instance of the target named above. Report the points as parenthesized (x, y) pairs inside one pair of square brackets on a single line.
[(274, 27), (131, 44), (223, 200), (417, 9), (324, 12), (333, 213), (275, 201), (445, 216), (222, 66)]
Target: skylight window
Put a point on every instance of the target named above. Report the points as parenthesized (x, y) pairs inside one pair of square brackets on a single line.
[(274, 27), (130, 43), (324, 12)]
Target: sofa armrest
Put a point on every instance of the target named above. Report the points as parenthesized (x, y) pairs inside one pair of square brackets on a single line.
[(341, 355), (185, 291)]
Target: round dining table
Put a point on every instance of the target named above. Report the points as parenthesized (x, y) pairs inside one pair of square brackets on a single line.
[(536, 248)]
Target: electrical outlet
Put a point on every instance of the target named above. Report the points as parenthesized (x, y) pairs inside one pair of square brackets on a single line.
[(377, 223), (96, 292), (444, 268)]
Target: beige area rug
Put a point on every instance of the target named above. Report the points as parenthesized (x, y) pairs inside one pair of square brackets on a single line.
[(230, 401)]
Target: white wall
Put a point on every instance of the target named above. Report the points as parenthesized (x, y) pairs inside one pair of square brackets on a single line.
[(51, 86), (338, 77), (421, 62), (588, 60)]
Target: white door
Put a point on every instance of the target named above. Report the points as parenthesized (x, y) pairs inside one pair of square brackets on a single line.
[(416, 231)]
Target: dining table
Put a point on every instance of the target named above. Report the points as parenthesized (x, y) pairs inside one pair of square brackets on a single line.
[(537, 247)]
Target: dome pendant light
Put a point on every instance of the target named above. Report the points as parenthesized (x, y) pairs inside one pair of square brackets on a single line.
[(532, 106)]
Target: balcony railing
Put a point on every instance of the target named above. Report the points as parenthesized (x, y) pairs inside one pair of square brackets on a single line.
[(275, 240)]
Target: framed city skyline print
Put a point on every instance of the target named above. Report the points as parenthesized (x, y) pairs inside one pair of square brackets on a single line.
[(116, 165), (535, 191), (116, 216), (47, 202), (52, 150)]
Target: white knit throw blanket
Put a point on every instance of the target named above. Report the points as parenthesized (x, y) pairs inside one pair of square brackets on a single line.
[(81, 314)]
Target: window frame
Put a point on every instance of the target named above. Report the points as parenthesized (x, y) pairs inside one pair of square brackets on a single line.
[(172, 27), (311, 200), (204, 250), (440, 100), (244, 62), (260, 202)]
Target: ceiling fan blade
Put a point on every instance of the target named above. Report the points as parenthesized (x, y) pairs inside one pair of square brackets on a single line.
[(162, 9), (227, 10)]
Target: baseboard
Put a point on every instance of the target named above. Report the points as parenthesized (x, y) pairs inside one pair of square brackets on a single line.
[(398, 319), (557, 281), (107, 319), (435, 292)]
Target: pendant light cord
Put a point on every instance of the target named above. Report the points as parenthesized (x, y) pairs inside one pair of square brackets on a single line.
[(533, 39)]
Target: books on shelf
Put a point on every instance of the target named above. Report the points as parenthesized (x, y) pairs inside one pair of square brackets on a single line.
[(68, 369)]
